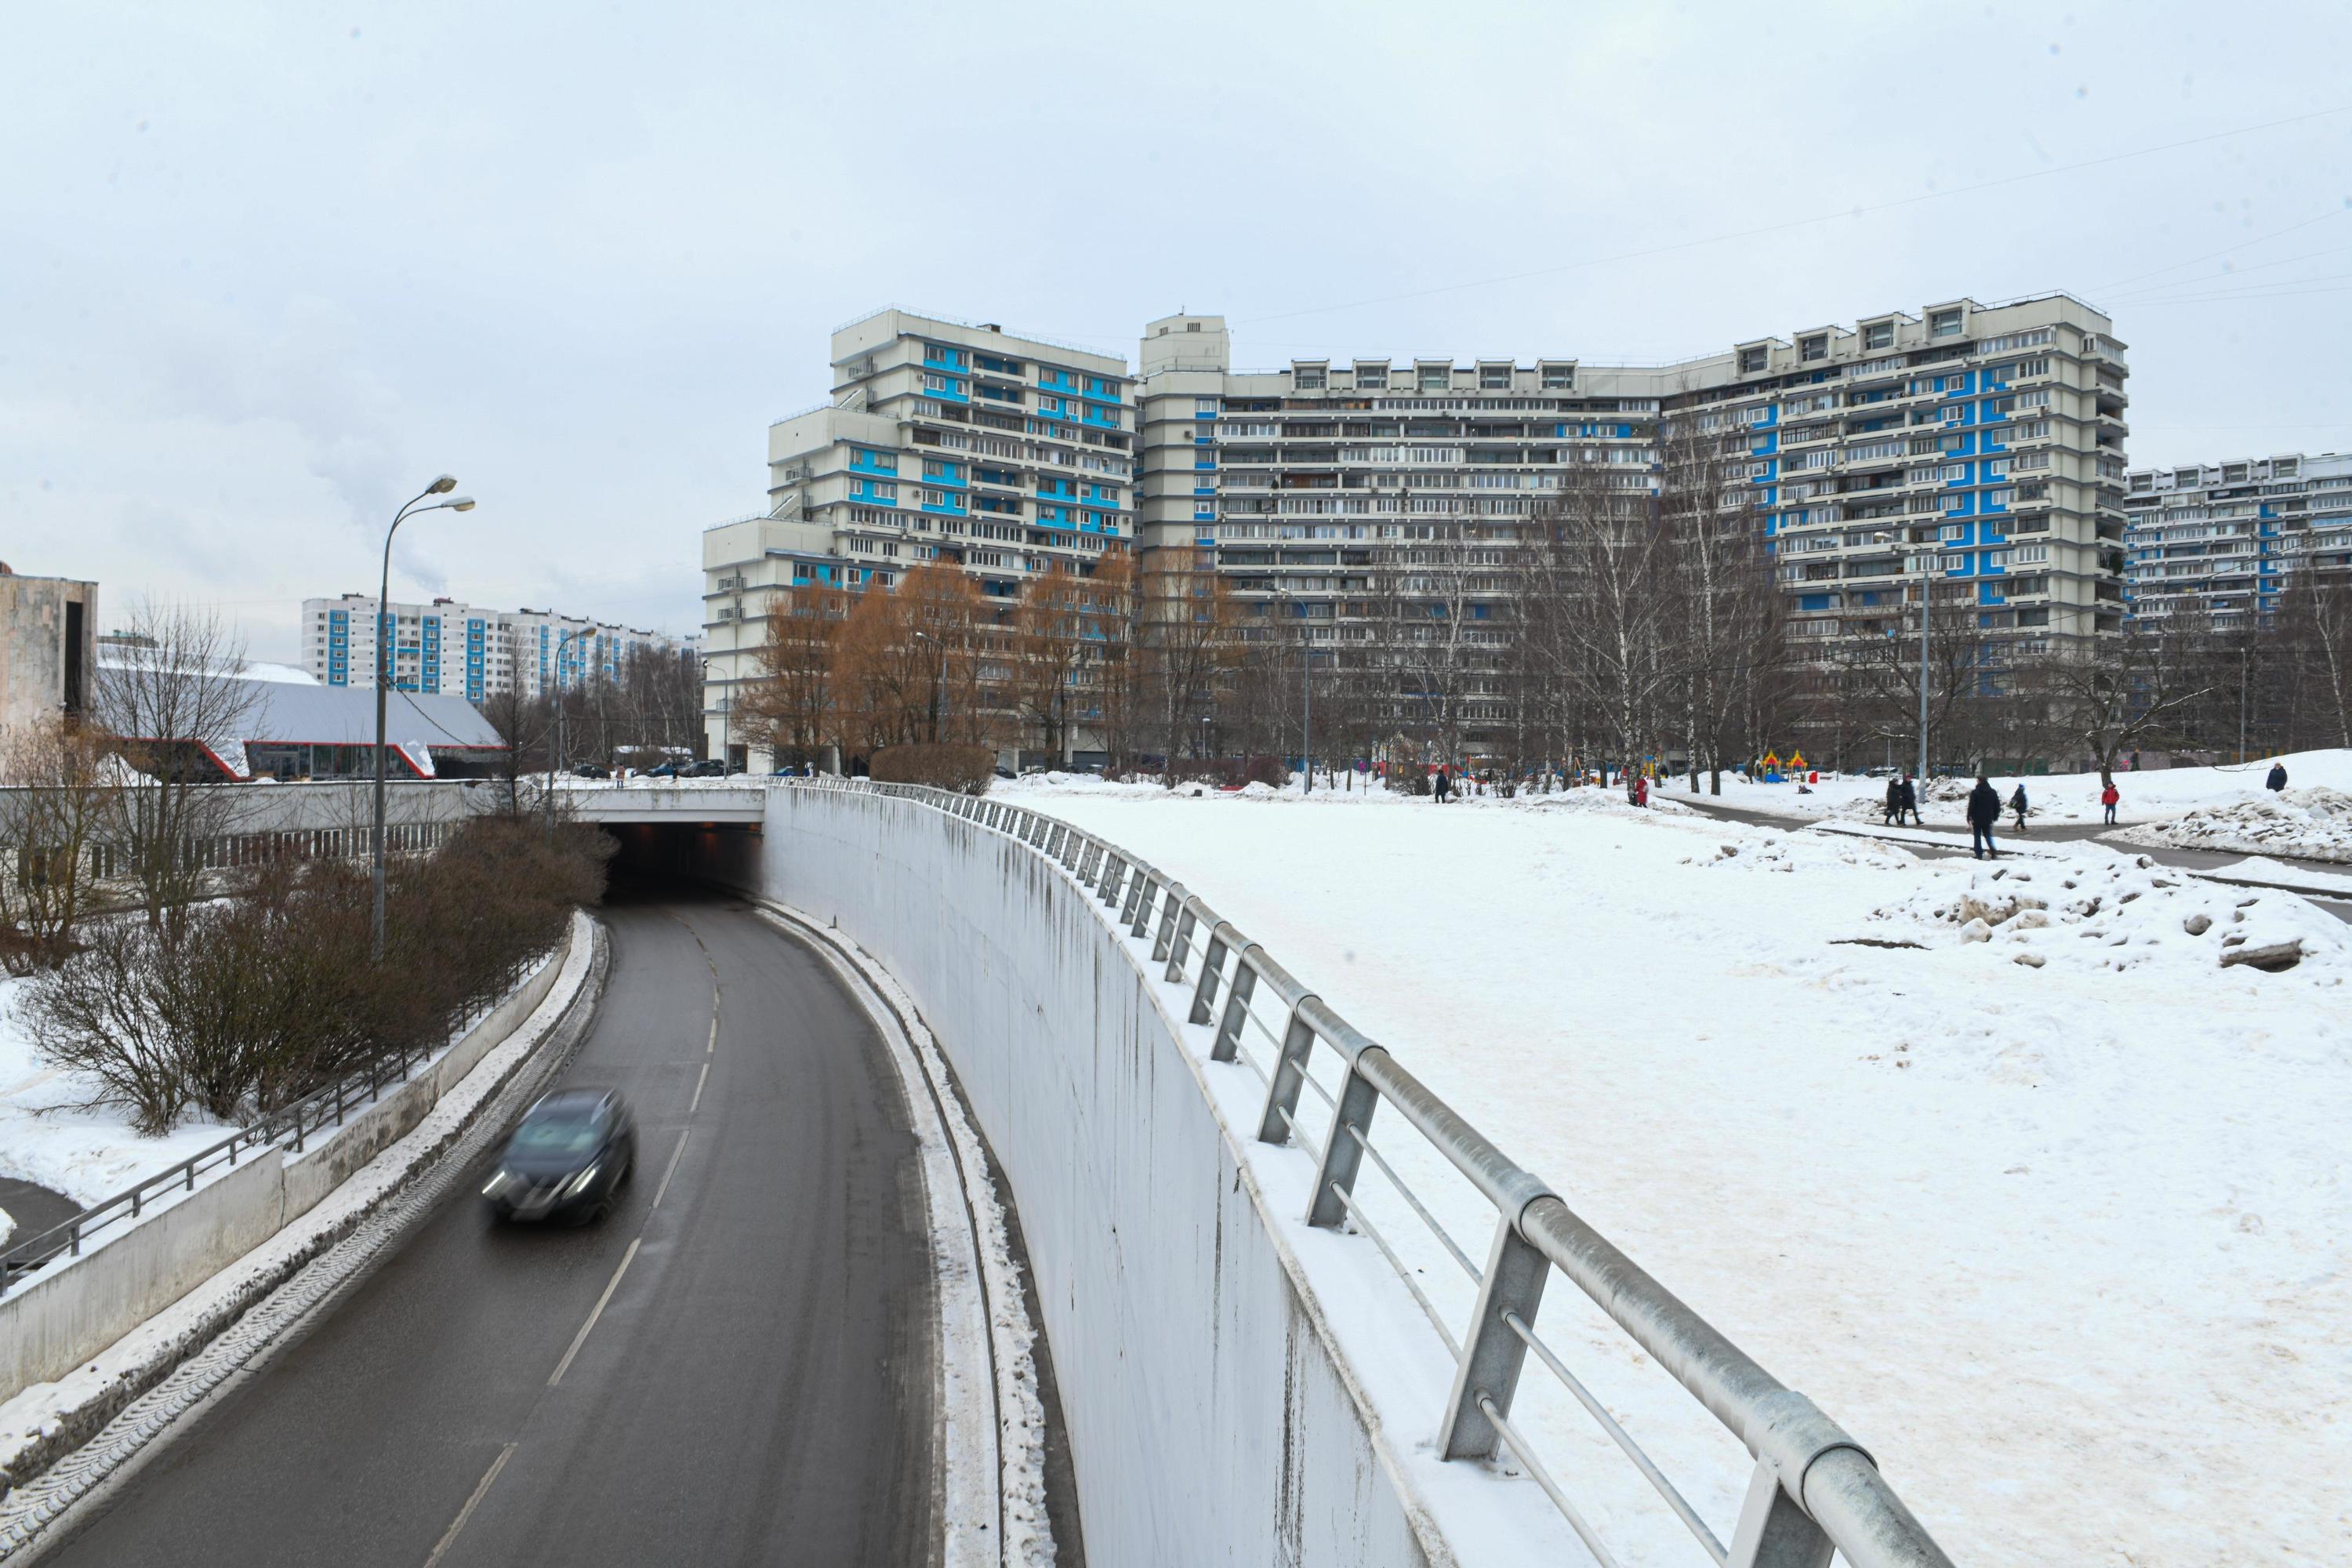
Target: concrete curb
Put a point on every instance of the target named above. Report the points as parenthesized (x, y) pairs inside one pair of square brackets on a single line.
[(162, 1371)]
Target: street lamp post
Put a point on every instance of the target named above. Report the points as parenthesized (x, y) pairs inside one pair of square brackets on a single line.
[(384, 637), (555, 760), (1926, 590)]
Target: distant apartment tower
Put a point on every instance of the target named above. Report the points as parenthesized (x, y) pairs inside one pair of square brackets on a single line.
[(944, 441), (48, 646), (2222, 540), (1990, 436), (466, 650)]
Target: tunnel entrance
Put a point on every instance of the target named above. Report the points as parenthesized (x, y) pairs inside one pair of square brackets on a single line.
[(682, 854)]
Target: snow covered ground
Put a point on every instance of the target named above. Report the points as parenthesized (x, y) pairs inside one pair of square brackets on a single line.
[(2313, 824), (2063, 1242), (86, 1154)]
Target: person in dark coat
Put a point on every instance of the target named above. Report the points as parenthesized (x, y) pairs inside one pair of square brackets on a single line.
[(1984, 810), (2017, 805), (2278, 781), (1444, 787), (1906, 800), (1894, 801)]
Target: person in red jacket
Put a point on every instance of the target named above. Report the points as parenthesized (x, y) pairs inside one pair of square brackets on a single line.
[(2107, 798)]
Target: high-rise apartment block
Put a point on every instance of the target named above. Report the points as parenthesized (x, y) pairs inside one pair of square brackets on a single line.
[(1980, 445), (944, 441), (1985, 441), (468, 651), (2222, 540)]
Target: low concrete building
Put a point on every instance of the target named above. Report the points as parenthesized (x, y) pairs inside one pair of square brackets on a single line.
[(48, 648)]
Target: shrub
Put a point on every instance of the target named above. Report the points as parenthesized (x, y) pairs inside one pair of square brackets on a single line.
[(249, 1002), (966, 769)]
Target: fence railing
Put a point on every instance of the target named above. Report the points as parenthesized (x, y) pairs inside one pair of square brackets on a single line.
[(1813, 1491), (291, 1127)]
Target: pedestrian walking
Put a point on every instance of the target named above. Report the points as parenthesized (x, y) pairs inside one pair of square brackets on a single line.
[(1894, 802), (2017, 805), (1984, 810), (1906, 800), (2278, 781), (2107, 798), (1442, 788), (1640, 789)]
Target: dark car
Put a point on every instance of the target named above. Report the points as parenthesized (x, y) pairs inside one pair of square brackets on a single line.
[(568, 1157), (592, 771), (708, 768), (662, 771)]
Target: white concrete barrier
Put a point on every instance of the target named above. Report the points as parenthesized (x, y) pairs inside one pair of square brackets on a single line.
[(74, 1310), (1212, 1417)]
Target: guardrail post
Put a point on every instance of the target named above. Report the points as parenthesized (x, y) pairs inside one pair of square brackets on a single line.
[(1289, 1077), (1237, 1001), (1162, 945), (1114, 873), (1774, 1532), (1491, 1357), (1342, 1153), (1204, 995), (1136, 914), (1181, 947)]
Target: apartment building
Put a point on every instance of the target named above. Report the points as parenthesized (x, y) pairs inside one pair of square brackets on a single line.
[(445, 647), (1980, 444), (943, 441), (2222, 540)]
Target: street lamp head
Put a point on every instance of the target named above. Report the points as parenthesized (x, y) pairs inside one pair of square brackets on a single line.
[(441, 486), (463, 503)]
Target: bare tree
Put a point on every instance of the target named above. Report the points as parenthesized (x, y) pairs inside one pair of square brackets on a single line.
[(174, 700), (2133, 688), (2315, 626), (62, 785), (1600, 610)]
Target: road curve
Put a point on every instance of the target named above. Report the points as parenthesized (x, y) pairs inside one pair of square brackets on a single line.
[(747, 1369)]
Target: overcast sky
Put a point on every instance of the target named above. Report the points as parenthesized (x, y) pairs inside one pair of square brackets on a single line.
[(265, 271)]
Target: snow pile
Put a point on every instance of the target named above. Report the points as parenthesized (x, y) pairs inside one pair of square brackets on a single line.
[(1803, 852), (2116, 913), (2312, 824), (7, 1227)]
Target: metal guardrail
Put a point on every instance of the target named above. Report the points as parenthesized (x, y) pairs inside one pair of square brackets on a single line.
[(291, 1126), (1814, 1490)]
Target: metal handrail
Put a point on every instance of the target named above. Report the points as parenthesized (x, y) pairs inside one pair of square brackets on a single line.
[(1813, 1489), (292, 1126)]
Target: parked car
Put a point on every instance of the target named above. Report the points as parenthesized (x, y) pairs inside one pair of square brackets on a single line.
[(592, 771), (708, 768), (568, 1156), (662, 771)]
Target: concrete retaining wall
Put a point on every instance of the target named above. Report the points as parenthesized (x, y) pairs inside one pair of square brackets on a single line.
[(1211, 1418), (71, 1313)]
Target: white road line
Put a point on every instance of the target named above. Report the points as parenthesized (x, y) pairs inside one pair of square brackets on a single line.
[(466, 1512), (700, 1078), (676, 1156), (713, 1046), (582, 1337)]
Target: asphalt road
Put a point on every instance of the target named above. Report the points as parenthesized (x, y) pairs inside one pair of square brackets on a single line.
[(746, 1367)]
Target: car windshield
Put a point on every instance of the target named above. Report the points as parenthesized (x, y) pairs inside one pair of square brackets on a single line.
[(555, 1132)]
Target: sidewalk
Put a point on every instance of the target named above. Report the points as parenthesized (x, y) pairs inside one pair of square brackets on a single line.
[(2313, 879)]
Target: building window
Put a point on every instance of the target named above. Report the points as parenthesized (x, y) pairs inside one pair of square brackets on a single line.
[(1943, 324), (1752, 361), (1307, 380), (1495, 377), (1878, 336), (1374, 377), (1814, 348), (1433, 379)]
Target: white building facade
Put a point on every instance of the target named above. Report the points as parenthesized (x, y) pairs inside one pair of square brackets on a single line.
[(945, 441), (2223, 541), (445, 647)]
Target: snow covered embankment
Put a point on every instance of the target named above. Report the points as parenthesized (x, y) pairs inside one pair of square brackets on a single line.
[(2118, 914), (2312, 824)]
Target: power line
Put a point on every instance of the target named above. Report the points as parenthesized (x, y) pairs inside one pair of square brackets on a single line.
[(1806, 222)]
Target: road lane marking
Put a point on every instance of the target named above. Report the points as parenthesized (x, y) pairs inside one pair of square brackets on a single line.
[(713, 1046), (582, 1337), (442, 1547), (678, 1154), (700, 1078)]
